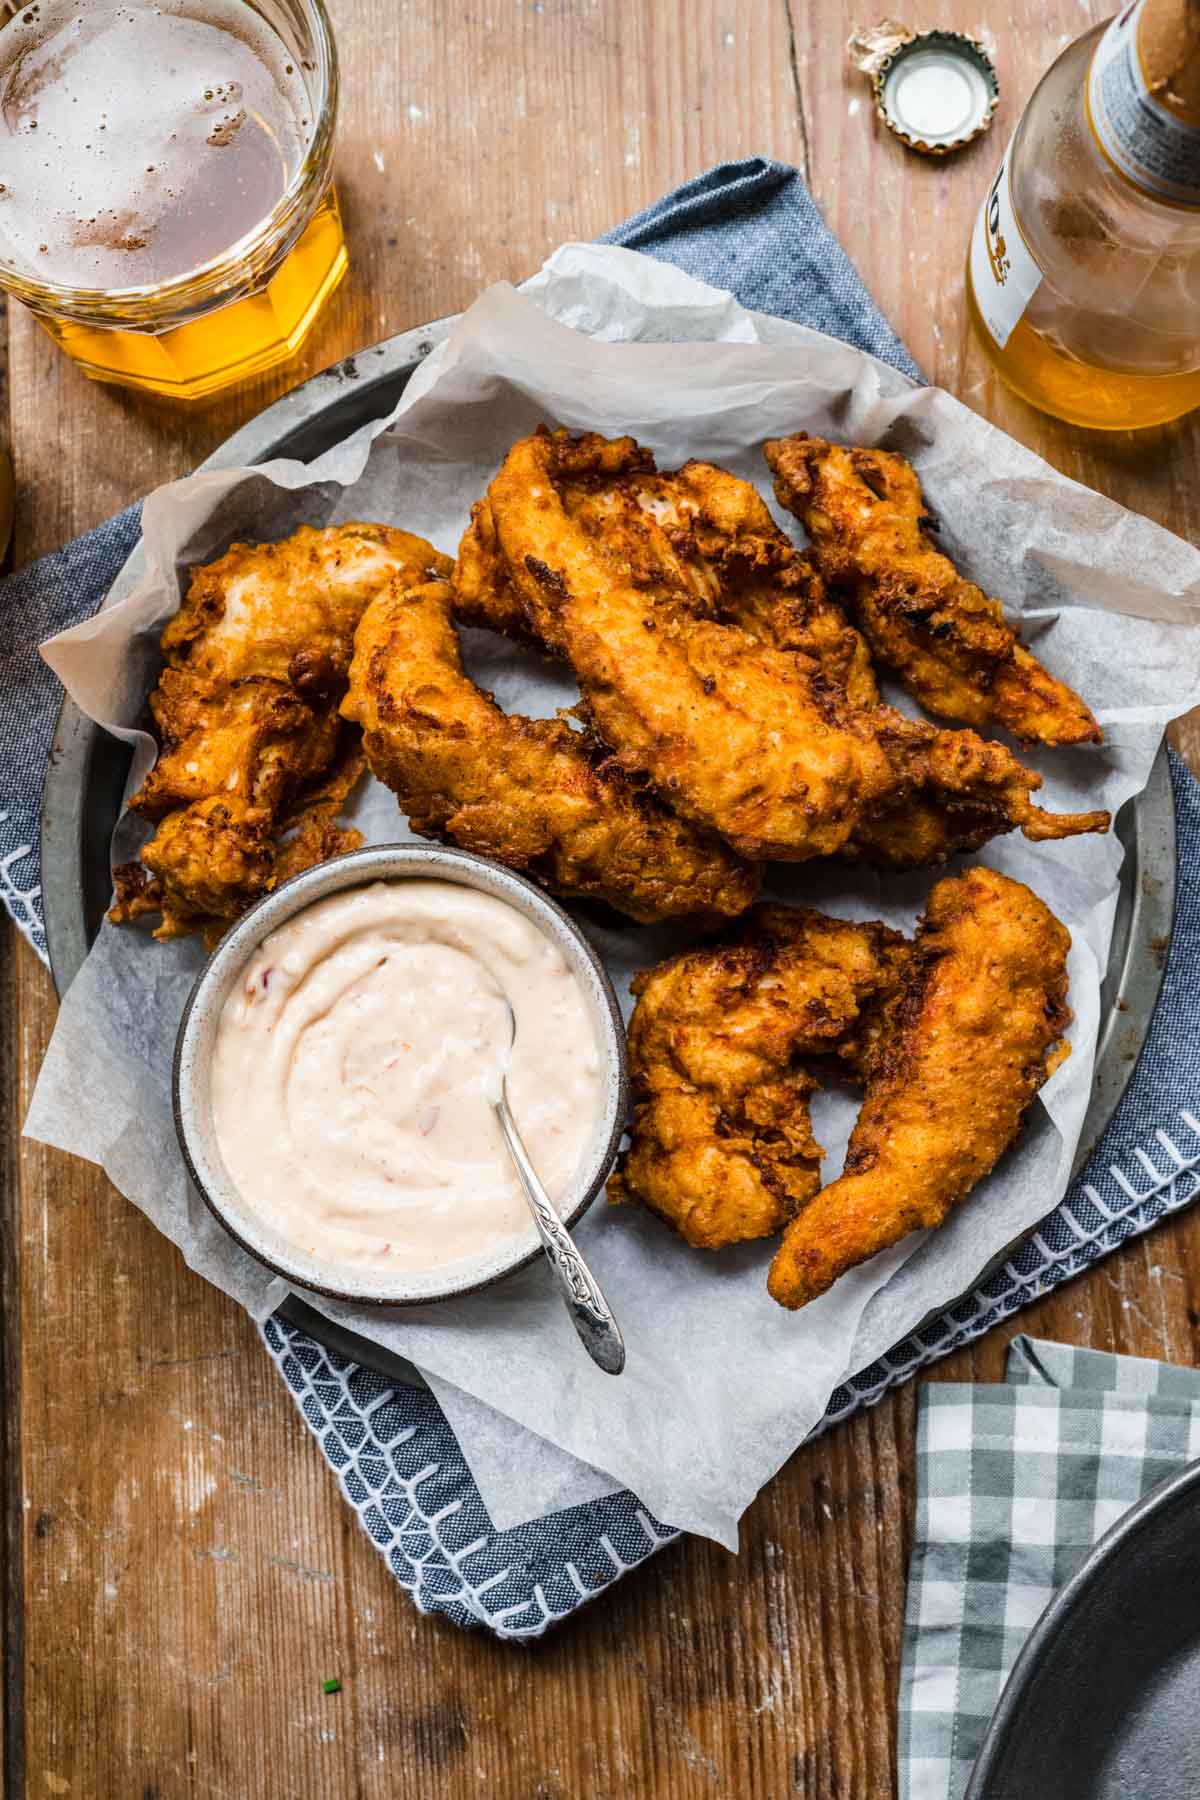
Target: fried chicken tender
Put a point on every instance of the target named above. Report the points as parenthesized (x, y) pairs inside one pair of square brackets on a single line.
[(736, 566), (722, 1144), (951, 1036), (682, 700), (246, 706), (204, 862), (311, 832), (978, 1030), (710, 532), (534, 793), (945, 639), (712, 662), (706, 534)]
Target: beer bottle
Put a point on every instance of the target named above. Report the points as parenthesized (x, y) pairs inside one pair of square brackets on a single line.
[(1083, 278)]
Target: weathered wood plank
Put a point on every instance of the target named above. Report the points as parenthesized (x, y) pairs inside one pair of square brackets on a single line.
[(191, 1574)]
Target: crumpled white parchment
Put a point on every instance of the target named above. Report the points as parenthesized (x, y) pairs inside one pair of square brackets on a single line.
[(721, 1384)]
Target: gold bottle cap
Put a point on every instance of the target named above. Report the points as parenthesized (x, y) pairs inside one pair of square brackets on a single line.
[(937, 91)]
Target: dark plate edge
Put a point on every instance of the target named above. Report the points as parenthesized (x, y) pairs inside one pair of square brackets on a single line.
[(1057, 1617)]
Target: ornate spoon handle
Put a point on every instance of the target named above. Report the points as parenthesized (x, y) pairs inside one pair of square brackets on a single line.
[(589, 1310)]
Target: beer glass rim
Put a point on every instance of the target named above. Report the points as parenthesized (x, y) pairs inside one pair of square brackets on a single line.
[(157, 303)]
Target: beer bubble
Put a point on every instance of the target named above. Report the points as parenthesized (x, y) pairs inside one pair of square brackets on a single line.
[(141, 67)]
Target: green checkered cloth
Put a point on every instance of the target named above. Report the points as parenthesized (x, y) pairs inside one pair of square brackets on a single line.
[(1015, 1483)]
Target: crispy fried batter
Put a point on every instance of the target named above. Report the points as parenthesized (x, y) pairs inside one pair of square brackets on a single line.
[(683, 700), (309, 828), (946, 640), (206, 861), (726, 550), (952, 1037), (704, 534), (961, 791), (722, 1145), (247, 713), (533, 793), (979, 1029), (702, 537), (764, 729)]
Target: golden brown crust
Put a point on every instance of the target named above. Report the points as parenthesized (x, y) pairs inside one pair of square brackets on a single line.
[(712, 661), (706, 536), (952, 1036), (206, 861), (533, 793), (721, 1142), (979, 1028), (948, 642), (726, 729), (246, 708), (308, 828)]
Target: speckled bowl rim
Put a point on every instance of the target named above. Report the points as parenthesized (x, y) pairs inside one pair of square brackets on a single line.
[(360, 868)]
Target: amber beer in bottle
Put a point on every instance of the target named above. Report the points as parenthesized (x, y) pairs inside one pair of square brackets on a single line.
[(1083, 278)]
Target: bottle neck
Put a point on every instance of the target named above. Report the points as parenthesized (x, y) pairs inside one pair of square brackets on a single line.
[(1143, 99)]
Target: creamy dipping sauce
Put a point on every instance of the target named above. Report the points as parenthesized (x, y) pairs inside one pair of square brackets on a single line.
[(354, 1063)]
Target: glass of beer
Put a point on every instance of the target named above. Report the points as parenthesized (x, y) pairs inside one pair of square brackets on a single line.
[(166, 198)]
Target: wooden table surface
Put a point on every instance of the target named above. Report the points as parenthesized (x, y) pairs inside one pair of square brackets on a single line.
[(182, 1570)]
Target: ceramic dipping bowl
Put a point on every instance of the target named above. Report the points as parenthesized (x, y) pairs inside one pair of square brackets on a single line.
[(224, 970)]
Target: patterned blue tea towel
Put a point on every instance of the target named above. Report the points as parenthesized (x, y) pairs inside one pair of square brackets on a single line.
[(39, 600), (1015, 1483), (753, 227)]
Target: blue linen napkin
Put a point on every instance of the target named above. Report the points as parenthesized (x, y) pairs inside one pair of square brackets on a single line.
[(753, 227), (37, 601)]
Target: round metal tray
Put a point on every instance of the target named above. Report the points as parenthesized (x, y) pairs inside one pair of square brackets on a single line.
[(85, 781)]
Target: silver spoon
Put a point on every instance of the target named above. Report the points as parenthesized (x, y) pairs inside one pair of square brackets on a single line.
[(590, 1312)]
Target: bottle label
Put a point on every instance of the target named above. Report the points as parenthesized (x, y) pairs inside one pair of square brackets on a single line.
[(1158, 152), (1004, 275)]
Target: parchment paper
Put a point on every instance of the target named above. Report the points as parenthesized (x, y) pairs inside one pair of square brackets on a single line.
[(721, 1384)]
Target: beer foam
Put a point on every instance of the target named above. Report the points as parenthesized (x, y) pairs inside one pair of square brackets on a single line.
[(140, 139)]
